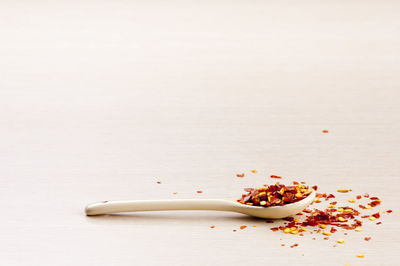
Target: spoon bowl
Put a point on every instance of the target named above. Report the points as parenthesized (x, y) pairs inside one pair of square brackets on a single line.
[(274, 212)]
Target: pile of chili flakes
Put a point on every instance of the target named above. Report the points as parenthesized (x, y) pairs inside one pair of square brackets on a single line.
[(275, 195), (335, 216)]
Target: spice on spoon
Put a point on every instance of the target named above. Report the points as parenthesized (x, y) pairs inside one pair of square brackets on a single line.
[(274, 195)]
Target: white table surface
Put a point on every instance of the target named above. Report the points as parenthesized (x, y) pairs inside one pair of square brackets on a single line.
[(100, 100)]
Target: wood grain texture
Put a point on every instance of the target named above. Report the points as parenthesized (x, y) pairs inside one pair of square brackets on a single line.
[(101, 99)]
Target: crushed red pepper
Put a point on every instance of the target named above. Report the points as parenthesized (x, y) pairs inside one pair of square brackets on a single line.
[(276, 176), (274, 195), (240, 175), (199, 191), (243, 227), (344, 217)]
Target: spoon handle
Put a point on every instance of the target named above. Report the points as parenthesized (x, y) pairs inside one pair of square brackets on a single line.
[(106, 207)]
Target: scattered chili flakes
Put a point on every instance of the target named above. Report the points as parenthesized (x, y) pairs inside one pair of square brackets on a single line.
[(212, 226), (158, 182), (282, 245), (367, 238), (243, 227), (344, 190), (325, 131), (274, 195), (240, 175), (315, 187), (379, 223), (366, 195), (389, 211), (358, 197), (199, 191), (234, 230), (294, 245)]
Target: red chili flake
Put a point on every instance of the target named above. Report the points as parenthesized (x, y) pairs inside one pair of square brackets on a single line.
[(276, 176), (243, 227), (315, 187), (234, 230), (275, 229), (240, 175), (302, 182), (362, 206), (333, 230), (330, 196), (374, 203), (295, 183), (376, 215), (199, 191), (389, 211), (365, 216), (212, 226), (158, 182), (333, 203), (343, 190), (326, 238), (378, 222), (294, 245), (367, 238), (325, 131), (307, 211), (282, 245), (366, 195), (374, 198), (358, 197)]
